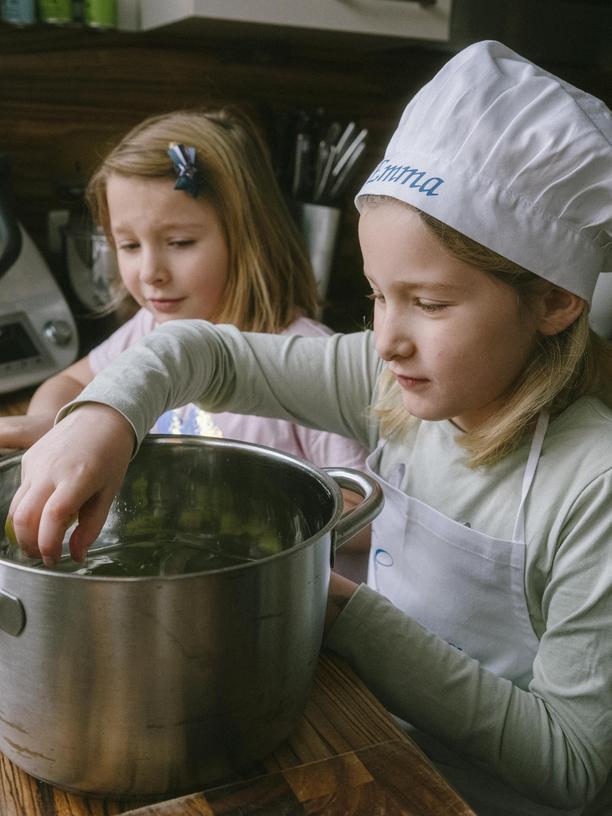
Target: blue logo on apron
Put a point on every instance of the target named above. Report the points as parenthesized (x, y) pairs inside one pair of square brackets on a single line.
[(383, 558)]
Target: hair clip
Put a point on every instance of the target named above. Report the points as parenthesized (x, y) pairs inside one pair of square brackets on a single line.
[(183, 159)]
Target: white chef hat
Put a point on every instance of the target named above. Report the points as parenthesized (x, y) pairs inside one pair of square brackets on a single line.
[(513, 157)]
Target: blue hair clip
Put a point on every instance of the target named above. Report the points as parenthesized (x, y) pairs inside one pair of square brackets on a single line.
[(183, 159)]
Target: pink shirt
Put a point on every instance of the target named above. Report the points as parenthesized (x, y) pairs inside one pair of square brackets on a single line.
[(320, 448)]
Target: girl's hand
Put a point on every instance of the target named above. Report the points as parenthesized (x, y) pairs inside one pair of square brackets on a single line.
[(73, 471), (23, 431), (340, 591)]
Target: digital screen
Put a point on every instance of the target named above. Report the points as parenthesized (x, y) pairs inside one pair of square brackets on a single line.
[(15, 344)]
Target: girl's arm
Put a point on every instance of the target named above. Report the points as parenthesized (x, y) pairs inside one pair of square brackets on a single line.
[(325, 382), (321, 382), (24, 431), (551, 742), (60, 389)]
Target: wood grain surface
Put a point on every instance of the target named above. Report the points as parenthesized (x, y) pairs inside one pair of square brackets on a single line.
[(16, 402), (370, 782), (346, 757)]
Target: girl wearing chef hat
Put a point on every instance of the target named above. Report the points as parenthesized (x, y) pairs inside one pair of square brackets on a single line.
[(486, 620)]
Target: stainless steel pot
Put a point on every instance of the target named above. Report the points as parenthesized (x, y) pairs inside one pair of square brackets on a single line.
[(150, 685)]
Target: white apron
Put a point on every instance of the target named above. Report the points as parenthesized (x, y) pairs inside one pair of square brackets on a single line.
[(477, 581)]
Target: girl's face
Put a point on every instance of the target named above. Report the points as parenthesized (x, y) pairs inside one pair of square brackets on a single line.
[(454, 337), (171, 248)]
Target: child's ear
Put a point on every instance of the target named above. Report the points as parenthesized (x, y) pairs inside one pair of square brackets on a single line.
[(559, 309)]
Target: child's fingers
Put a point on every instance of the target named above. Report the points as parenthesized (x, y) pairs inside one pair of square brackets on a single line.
[(17, 496), (59, 512), (79, 463), (25, 512), (92, 516)]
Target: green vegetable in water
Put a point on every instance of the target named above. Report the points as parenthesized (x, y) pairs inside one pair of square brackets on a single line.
[(191, 520), (141, 527), (269, 543), (229, 522), (9, 531), (177, 556), (140, 490), (10, 549)]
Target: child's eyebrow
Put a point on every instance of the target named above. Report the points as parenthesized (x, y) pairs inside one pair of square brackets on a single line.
[(182, 224), (430, 286), (166, 225), (434, 286)]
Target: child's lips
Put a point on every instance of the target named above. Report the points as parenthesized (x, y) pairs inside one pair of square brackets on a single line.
[(407, 381), (165, 304)]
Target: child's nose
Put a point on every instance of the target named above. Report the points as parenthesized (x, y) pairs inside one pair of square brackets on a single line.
[(392, 337), (152, 268)]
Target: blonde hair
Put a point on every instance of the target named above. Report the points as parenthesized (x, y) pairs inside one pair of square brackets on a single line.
[(270, 281), (563, 367)]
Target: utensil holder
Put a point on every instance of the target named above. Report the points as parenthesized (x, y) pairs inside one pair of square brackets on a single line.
[(319, 225), (600, 316)]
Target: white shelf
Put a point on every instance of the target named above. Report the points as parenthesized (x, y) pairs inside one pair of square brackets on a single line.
[(386, 18)]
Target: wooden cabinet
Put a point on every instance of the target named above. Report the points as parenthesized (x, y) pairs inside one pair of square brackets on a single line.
[(68, 94)]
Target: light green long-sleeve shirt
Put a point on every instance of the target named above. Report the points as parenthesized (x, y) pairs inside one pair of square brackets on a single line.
[(553, 742)]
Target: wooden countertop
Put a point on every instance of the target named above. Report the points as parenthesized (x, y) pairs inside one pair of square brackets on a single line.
[(346, 757), (16, 402)]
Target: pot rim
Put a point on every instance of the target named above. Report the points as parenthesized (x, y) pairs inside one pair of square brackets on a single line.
[(210, 442)]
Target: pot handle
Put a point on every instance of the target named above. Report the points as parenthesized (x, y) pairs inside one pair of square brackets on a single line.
[(356, 519), (12, 613)]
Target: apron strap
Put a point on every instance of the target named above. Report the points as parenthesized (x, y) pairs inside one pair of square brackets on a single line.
[(530, 469)]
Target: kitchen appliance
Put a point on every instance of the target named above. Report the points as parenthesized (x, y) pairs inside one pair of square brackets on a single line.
[(153, 685), (90, 261), (38, 335), (92, 269)]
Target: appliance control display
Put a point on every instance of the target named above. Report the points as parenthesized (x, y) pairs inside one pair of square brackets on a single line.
[(38, 335), (16, 344), (20, 351)]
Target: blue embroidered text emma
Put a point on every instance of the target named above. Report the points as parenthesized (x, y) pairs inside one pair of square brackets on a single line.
[(403, 173)]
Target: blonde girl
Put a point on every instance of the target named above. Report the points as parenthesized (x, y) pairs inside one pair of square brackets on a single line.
[(210, 239), (271, 281), (575, 362)]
